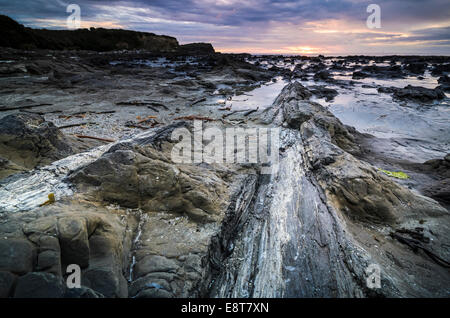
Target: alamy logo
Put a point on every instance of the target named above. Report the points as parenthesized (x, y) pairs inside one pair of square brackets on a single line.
[(73, 20), (236, 145), (74, 277), (374, 20)]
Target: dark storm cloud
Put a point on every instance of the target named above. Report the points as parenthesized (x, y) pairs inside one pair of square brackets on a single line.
[(216, 12), (233, 13)]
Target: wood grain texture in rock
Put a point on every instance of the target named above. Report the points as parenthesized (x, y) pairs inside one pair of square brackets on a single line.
[(313, 229)]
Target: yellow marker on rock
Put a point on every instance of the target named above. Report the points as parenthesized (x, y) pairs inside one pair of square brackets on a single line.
[(51, 199), (398, 175)]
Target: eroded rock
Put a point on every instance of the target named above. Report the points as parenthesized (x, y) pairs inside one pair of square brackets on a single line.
[(394, 71), (16, 256), (415, 93), (27, 140), (154, 182), (324, 92), (39, 285)]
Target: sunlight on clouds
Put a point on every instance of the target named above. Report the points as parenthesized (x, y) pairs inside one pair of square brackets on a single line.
[(303, 50), (264, 26)]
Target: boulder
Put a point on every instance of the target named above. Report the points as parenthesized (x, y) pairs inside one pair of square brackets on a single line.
[(414, 93), (49, 257), (73, 238), (16, 256), (322, 75), (323, 92), (155, 263), (39, 285), (440, 69), (7, 281), (440, 189), (91, 240), (148, 282), (105, 281), (445, 83), (140, 176), (82, 292), (27, 140)]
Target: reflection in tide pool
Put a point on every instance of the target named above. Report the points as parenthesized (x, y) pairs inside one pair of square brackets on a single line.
[(261, 97), (379, 115), (425, 127)]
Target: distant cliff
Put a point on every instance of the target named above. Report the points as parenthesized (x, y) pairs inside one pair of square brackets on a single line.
[(15, 35), (196, 49)]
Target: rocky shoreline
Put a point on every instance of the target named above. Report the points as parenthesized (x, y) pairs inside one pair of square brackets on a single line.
[(94, 129)]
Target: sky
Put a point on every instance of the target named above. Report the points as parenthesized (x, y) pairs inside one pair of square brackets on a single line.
[(262, 26)]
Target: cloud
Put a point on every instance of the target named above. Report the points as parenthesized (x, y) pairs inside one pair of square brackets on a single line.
[(262, 26)]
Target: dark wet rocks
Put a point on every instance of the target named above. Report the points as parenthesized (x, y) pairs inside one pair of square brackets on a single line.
[(323, 76), (414, 93), (182, 230), (299, 72), (440, 190), (323, 92), (315, 67), (416, 67), (341, 65), (234, 66), (379, 72), (444, 82), (440, 69)]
